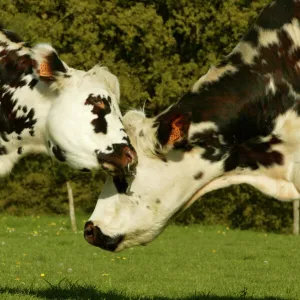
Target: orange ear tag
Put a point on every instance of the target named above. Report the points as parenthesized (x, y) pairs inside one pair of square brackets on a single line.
[(175, 132), (45, 70)]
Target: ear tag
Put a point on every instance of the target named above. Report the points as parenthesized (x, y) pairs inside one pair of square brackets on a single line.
[(176, 130), (45, 70)]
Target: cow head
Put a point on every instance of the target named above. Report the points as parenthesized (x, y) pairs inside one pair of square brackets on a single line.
[(179, 161), (83, 123), (136, 210)]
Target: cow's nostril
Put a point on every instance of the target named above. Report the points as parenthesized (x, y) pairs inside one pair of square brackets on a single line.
[(129, 155), (89, 232)]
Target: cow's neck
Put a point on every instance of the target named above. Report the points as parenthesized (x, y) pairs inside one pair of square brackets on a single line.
[(245, 112), (23, 109), (246, 116), (23, 114)]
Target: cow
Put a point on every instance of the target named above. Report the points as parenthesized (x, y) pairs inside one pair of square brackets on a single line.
[(240, 123), (48, 107)]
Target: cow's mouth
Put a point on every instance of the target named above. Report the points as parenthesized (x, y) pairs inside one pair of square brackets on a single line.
[(121, 162), (94, 236), (117, 171)]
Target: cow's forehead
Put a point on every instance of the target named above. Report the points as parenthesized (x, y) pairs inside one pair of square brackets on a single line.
[(98, 81)]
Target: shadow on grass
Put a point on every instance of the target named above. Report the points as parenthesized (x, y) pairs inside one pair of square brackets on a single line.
[(70, 290)]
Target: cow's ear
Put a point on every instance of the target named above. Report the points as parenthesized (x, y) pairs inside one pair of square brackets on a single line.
[(47, 66), (172, 129), (178, 130)]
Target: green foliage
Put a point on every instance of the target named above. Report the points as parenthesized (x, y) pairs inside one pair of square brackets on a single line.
[(157, 48), (240, 207), (38, 184)]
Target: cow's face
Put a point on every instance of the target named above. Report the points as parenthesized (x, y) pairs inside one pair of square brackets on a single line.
[(83, 126), (135, 211)]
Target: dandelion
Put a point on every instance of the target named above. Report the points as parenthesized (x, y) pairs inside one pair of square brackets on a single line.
[(214, 251), (57, 233), (24, 254), (18, 263), (227, 228), (219, 231), (52, 224), (112, 259), (17, 278), (124, 258), (43, 275)]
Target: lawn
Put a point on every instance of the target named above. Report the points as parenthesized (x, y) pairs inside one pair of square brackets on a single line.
[(40, 258)]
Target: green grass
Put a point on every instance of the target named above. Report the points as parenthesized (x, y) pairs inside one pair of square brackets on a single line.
[(187, 263)]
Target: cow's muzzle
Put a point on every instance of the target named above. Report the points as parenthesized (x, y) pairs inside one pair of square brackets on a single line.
[(121, 161), (94, 236)]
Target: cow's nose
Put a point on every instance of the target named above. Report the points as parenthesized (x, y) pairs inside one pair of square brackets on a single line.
[(123, 157), (94, 236), (129, 155)]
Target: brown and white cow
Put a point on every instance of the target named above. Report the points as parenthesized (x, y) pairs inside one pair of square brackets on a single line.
[(239, 124), (46, 106)]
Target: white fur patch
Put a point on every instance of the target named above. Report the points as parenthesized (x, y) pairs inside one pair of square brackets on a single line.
[(213, 74), (267, 37), (102, 73), (247, 52), (200, 127), (293, 30), (141, 130)]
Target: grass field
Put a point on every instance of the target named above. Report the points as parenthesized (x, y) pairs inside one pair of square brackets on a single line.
[(40, 258)]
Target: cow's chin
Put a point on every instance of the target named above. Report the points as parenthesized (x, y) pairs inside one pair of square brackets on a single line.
[(138, 240)]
